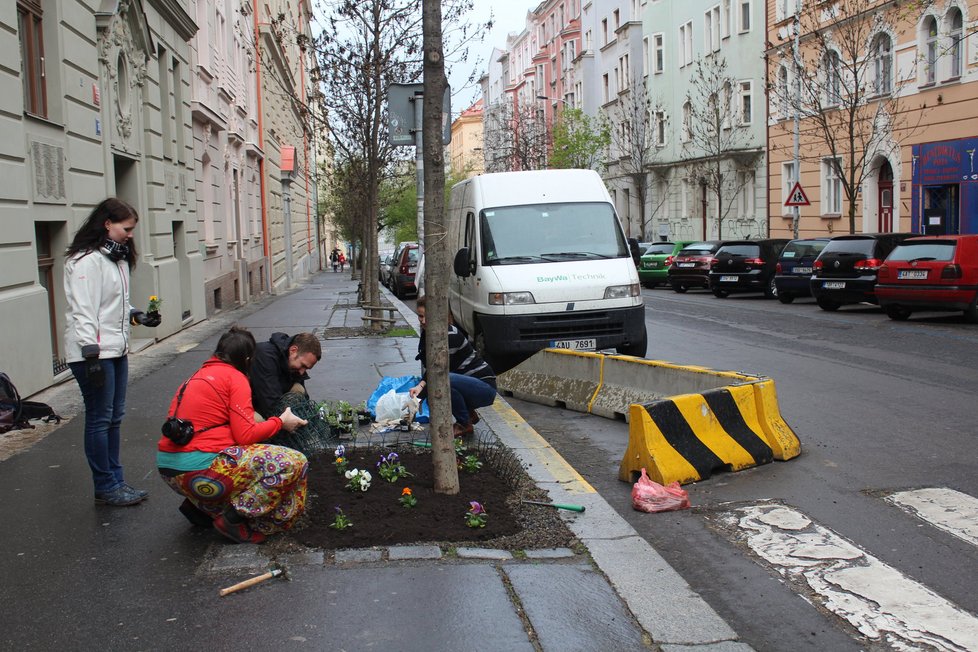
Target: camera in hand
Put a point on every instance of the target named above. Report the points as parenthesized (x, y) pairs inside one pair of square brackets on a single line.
[(179, 431)]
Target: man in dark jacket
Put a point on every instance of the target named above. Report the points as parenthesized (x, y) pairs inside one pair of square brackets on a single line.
[(279, 366)]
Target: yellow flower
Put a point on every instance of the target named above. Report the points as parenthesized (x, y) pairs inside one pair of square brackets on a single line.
[(340, 460), (153, 297)]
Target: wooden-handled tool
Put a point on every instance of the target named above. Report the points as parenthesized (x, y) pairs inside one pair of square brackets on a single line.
[(571, 508), (275, 572)]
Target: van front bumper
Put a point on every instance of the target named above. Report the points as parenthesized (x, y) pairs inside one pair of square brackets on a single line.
[(516, 334)]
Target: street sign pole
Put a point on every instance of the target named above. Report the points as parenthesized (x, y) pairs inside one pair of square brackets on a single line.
[(416, 101)]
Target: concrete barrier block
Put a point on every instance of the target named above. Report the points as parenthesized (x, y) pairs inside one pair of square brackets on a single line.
[(689, 437), (555, 377), (780, 437)]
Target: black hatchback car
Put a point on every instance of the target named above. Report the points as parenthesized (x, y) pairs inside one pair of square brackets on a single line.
[(793, 273), (691, 265), (845, 271), (746, 266)]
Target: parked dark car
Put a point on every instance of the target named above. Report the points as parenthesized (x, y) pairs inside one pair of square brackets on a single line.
[(745, 266), (654, 268), (793, 273), (845, 271), (383, 273), (931, 273), (403, 267), (691, 265)]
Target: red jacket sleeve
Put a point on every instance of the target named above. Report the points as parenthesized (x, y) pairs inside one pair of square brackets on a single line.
[(241, 415)]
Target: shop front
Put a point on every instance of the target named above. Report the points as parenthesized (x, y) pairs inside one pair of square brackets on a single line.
[(945, 187)]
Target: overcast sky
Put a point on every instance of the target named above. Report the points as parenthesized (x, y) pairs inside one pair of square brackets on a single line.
[(508, 16)]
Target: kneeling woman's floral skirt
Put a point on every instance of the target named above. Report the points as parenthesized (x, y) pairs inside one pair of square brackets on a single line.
[(266, 484)]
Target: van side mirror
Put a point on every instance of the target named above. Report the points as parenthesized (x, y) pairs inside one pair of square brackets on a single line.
[(462, 265), (636, 253)]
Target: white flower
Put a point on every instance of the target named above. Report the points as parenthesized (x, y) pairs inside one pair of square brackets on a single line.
[(367, 476), (364, 486), (349, 474), (339, 451)]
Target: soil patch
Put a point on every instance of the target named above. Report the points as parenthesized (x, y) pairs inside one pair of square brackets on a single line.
[(380, 520)]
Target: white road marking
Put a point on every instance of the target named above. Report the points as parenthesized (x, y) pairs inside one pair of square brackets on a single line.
[(952, 511), (873, 597)]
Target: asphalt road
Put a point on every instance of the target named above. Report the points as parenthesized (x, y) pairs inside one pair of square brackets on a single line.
[(879, 406)]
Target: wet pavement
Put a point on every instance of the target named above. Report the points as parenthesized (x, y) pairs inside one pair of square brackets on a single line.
[(81, 576)]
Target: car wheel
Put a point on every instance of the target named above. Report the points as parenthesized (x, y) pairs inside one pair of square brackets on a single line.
[(828, 304), (897, 313), (720, 294), (971, 312), (681, 289), (771, 291), (786, 298), (635, 348)]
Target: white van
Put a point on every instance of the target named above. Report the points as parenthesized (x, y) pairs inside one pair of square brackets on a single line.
[(540, 260)]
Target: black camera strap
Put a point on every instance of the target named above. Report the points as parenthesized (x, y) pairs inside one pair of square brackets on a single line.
[(183, 388)]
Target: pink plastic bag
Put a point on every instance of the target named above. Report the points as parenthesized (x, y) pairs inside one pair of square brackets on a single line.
[(650, 496)]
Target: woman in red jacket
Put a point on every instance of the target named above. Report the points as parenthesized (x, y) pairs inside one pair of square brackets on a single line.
[(211, 451)]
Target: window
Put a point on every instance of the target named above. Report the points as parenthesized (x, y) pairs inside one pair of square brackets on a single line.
[(715, 31), (726, 100), (930, 50), (833, 84), (788, 178), (659, 62), (882, 53), (617, 16), (708, 32), (782, 95), (687, 130), (726, 13), (624, 73), (746, 102), (588, 42), (660, 128), (745, 182), (956, 35), (686, 44), (29, 23), (637, 9), (744, 15), (604, 31), (606, 86), (831, 187)]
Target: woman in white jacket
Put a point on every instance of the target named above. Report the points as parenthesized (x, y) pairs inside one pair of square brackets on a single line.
[(99, 316)]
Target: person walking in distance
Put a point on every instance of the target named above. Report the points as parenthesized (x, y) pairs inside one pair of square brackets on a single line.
[(342, 260), (97, 333)]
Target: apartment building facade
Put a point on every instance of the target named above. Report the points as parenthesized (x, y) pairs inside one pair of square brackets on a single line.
[(97, 104), (465, 150), (910, 165)]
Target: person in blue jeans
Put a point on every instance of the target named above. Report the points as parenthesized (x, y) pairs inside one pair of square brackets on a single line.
[(471, 380), (97, 331)]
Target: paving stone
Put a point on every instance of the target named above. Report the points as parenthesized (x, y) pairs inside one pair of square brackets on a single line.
[(722, 646), (358, 555), (309, 558), (572, 607), (484, 553), (550, 553), (240, 556), (397, 553)]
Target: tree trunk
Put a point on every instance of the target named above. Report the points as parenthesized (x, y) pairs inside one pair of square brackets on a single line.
[(436, 254)]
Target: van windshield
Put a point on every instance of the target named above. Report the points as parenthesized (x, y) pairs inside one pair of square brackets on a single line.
[(535, 233)]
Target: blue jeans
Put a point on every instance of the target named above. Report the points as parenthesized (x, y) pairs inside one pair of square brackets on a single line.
[(104, 407), (469, 393)]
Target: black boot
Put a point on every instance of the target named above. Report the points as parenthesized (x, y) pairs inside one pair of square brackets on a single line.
[(194, 515)]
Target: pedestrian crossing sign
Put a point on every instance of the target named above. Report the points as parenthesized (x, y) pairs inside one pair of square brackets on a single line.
[(797, 196)]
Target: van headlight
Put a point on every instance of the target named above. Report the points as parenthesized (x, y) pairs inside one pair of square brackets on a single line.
[(622, 291), (510, 298)]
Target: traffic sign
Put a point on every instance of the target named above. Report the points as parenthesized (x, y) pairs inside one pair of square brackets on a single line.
[(797, 196)]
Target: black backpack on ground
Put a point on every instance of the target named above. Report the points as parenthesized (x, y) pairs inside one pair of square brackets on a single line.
[(16, 413)]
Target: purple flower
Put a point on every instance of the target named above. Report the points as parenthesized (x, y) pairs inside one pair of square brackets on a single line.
[(392, 457), (476, 508), (339, 510)]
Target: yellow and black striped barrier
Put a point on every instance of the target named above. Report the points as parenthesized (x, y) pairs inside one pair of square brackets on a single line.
[(688, 437)]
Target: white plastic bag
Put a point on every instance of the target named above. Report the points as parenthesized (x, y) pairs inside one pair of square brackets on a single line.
[(391, 406)]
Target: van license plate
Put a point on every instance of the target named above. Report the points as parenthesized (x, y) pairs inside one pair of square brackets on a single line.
[(834, 285), (575, 345), (912, 273), (803, 270), (728, 279)]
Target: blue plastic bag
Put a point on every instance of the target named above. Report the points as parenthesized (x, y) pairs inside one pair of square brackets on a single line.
[(400, 384)]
